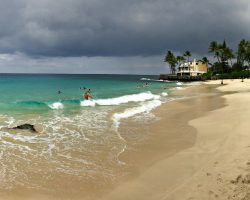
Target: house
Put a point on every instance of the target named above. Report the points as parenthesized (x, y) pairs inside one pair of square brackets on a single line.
[(194, 68)]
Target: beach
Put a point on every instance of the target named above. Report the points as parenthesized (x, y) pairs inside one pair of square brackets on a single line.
[(193, 146), (215, 164)]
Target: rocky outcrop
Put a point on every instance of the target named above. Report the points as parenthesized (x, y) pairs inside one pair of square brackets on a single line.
[(29, 127)]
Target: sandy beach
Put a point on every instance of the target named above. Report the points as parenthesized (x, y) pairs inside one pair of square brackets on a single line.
[(214, 163), (197, 147)]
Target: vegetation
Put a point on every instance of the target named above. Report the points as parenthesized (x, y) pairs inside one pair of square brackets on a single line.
[(173, 60), (227, 64)]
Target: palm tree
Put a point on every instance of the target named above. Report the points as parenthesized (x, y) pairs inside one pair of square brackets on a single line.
[(229, 55), (171, 60), (213, 48), (247, 56), (243, 47), (188, 55), (204, 60), (222, 53), (180, 59)]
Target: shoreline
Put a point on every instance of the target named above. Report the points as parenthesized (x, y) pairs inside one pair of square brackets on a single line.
[(217, 166), (164, 126), (195, 148), (142, 155), (161, 145)]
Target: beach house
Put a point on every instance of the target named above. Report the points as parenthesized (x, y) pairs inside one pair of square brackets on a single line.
[(193, 68)]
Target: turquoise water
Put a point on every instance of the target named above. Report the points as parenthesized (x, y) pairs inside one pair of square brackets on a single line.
[(77, 141), (22, 92)]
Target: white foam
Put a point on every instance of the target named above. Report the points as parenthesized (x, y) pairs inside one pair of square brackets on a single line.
[(145, 79), (144, 96), (89, 103), (10, 121), (19, 137), (56, 106), (164, 94), (193, 83), (179, 88), (157, 80), (179, 83), (144, 107)]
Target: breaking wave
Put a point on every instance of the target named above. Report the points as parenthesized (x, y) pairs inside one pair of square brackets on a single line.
[(56, 106), (132, 98), (144, 96)]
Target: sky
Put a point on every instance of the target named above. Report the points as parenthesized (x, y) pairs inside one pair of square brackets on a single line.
[(113, 36)]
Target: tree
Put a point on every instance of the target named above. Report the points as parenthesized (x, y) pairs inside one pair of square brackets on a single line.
[(243, 53), (180, 59), (247, 56), (188, 55), (204, 60), (171, 60), (222, 53), (229, 55), (213, 48)]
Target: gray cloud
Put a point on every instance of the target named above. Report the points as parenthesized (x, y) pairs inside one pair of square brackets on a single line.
[(118, 27)]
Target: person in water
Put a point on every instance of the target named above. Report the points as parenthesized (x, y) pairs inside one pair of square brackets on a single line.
[(87, 96), (83, 88)]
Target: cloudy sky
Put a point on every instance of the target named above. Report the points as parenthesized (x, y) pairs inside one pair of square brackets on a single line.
[(113, 36)]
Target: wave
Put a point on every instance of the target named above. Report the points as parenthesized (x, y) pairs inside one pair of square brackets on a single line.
[(157, 80), (179, 83), (140, 97), (40, 105), (144, 96), (71, 101), (164, 94), (144, 107), (56, 106), (179, 88), (89, 103), (31, 103)]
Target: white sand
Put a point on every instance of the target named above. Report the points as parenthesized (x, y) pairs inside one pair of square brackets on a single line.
[(216, 167)]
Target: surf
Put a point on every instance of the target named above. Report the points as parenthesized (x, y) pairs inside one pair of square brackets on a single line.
[(140, 97)]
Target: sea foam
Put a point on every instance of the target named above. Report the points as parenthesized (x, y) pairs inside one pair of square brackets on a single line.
[(144, 96), (56, 106), (157, 80), (164, 94), (179, 83), (144, 107)]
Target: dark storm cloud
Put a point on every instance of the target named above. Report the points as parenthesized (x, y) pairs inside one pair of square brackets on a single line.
[(119, 27)]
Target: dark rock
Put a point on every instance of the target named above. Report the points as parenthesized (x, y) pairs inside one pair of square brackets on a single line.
[(26, 127)]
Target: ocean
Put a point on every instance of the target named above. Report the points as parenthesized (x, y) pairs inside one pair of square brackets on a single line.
[(79, 142)]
